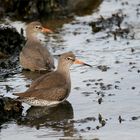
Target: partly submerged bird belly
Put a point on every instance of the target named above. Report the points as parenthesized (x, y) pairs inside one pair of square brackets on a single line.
[(32, 63), (35, 64), (40, 102), (25, 62)]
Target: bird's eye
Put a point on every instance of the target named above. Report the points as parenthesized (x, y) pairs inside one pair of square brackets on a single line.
[(38, 27), (69, 58)]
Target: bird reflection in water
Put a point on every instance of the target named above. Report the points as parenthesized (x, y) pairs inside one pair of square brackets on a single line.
[(57, 117)]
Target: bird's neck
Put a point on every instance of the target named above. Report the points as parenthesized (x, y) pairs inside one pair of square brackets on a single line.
[(64, 70), (33, 40), (32, 37)]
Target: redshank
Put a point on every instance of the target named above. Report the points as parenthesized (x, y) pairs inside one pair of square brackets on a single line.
[(34, 56), (51, 88)]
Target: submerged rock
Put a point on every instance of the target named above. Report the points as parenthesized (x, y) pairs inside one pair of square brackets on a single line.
[(9, 109), (112, 26), (103, 67)]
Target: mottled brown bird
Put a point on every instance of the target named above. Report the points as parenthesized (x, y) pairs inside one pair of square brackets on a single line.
[(54, 87), (34, 56)]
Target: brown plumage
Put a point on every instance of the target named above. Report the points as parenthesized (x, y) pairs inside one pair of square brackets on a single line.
[(51, 88), (34, 56)]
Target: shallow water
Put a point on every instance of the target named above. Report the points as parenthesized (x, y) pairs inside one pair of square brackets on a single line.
[(117, 88)]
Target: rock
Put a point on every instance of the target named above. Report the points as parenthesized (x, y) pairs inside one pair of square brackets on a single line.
[(35, 9), (11, 43), (135, 118), (9, 109), (2, 55), (120, 119), (103, 67), (111, 25), (100, 100)]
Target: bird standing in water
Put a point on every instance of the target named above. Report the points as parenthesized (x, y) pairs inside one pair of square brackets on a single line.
[(54, 87), (34, 56)]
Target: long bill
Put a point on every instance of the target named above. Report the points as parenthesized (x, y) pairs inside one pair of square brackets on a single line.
[(45, 30), (81, 62)]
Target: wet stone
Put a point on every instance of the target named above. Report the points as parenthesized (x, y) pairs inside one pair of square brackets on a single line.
[(133, 67), (8, 88), (88, 84), (94, 88), (101, 84), (111, 94), (96, 83), (123, 33), (9, 109), (112, 25), (101, 93), (133, 88), (117, 81), (87, 93), (103, 67), (77, 88), (103, 122), (132, 63), (117, 62), (132, 50), (100, 118), (116, 87), (85, 120), (82, 130), (91, 80), (100, 100), (28, 85), (11, 43), (95, 28), (88, 40), (120, 119), (99, 79), (128, 43), (88, 128), (97, 127), (135, 118), (105, 87)]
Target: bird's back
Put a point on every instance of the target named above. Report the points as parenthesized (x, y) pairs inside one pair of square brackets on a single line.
[(49, 80), (34, 56)]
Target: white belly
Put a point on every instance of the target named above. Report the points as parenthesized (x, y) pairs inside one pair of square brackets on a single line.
[(41, 102)]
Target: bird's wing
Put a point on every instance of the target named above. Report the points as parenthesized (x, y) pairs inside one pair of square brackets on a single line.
[(32, 50), (53, 94), (47, 57), (49, 80), (38, 51), (33, 63)]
